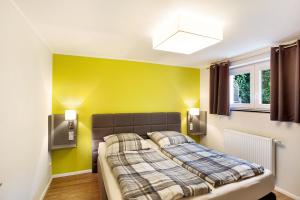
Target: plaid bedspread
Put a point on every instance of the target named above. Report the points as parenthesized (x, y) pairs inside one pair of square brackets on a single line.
[(214, 167), (145, 174)]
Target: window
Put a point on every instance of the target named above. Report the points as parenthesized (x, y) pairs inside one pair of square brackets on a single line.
[(250, 87)]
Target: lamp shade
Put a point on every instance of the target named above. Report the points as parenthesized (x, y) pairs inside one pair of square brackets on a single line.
[(194, 111), (70, 115)]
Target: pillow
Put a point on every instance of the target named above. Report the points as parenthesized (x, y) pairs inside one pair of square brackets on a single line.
[(124, 142), (166, 138)]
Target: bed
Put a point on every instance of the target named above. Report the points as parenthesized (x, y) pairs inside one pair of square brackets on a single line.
[(141, 123)]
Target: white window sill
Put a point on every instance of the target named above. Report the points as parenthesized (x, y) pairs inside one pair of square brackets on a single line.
[(250, 110)]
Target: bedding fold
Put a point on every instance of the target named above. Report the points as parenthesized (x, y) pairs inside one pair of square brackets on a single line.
[(145, 174), (214, 167)]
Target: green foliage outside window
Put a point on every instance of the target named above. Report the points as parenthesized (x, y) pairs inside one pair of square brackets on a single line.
[(265, 86), (242, 85)]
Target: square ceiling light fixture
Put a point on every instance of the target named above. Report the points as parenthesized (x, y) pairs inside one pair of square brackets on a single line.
[(187, 35)]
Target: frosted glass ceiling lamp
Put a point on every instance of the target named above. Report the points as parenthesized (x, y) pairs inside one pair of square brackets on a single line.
[(187, 35)]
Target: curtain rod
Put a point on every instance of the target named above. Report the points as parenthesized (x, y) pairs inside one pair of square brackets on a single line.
[(247, 63), (244, 57), (288, 46), (218, 62), (256, 61)]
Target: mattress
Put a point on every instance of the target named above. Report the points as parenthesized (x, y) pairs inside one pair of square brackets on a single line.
[(249, 189)]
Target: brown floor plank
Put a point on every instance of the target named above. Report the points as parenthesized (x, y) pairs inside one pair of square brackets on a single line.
[(77, 187), (85, 187), (281, 196)]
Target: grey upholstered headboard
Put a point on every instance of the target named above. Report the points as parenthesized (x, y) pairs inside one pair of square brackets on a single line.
[(140, 123)]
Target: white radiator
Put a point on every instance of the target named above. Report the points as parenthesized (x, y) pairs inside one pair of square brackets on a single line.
[(257, 149)]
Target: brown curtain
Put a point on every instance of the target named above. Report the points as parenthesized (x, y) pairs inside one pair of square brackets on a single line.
[(219, 89), (285, 83)]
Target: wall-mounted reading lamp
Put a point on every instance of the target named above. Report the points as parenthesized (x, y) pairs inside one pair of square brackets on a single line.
[(70, 116), (196, 122), (193, 112)]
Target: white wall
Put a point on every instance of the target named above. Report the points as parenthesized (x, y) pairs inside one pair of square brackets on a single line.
[(25, 102), (288, 156)]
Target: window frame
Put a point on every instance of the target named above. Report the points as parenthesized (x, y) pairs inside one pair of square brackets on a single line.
[(237, 71), (258, 89), (255, 86)]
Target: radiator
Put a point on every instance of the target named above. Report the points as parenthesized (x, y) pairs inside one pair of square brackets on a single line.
[(257, 149)]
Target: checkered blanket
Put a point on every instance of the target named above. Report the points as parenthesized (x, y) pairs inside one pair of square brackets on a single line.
[(146, 175), (214, 167)]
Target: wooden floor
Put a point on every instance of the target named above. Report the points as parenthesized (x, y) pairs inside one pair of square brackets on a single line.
[(77, 187), (282, 196), (85, 187)]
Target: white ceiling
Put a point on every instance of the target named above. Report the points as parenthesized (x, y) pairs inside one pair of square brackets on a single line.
[(122, 29)]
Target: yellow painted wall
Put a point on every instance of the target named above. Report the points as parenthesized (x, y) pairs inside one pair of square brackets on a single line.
[(93, 85)]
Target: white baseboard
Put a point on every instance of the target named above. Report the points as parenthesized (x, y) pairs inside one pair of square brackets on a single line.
[(283, 191), (72, 173), (46, 189)]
